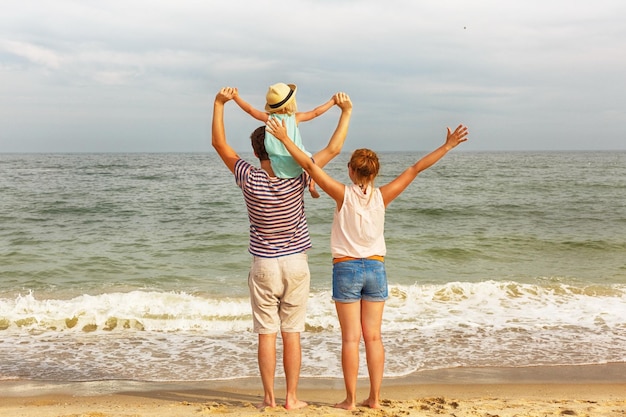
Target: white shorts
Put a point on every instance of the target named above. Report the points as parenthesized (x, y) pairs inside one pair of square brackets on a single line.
[(279, 290)]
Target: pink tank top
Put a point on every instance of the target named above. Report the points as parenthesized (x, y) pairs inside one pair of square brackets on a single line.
[(358, 228)]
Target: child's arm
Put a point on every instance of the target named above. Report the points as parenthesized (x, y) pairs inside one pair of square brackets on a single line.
[(332, 187), (318, 111), (247, 107), (397, 186)]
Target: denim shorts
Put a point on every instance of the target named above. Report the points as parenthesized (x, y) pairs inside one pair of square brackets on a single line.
[(359, 279)]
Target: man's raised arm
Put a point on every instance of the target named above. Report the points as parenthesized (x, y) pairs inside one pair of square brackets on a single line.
[(341, 131), (218, 134)]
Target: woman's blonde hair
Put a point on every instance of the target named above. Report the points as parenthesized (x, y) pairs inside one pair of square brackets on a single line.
[(365, 166)]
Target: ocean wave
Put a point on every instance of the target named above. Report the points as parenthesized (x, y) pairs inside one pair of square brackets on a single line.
[(495, 304), (167, 336)]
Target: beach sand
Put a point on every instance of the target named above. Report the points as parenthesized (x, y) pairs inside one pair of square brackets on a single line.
[(596, 390)]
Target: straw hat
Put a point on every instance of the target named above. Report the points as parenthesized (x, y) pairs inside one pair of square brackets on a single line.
[(279, 95)]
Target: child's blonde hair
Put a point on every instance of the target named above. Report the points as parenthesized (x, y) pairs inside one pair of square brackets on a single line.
[(290, 109)]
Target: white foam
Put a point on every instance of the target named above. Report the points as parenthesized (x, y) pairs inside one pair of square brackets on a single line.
[(174, 335), (141, 310)]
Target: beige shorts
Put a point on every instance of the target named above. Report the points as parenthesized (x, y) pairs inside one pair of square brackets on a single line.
[(279, 290)]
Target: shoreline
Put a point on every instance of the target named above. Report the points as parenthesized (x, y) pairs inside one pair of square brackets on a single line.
[(593, 390), (610, 373)]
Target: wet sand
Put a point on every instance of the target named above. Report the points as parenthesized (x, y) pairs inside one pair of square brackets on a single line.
[(595, 390)]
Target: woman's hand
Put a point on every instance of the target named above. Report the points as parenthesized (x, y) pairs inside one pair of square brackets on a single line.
[(277, 128)]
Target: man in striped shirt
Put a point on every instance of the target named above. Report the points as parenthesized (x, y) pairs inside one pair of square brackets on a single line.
[(279, 276)]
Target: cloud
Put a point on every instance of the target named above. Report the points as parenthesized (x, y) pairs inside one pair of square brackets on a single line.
[(522, 75), (32, 53)]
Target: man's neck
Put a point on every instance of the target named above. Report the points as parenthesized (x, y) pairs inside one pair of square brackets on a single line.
[(267, 167)]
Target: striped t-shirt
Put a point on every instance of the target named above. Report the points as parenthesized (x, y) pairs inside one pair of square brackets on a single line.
[(275, 210)]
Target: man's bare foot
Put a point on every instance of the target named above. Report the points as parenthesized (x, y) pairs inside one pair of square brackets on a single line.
[(295, 405), (262, 406), (369, 403), (346, 405)]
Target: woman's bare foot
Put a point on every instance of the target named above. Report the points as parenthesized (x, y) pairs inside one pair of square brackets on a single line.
[(295, 405), (346, 405)]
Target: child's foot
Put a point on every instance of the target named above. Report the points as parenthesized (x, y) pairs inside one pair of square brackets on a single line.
[(314, 192)]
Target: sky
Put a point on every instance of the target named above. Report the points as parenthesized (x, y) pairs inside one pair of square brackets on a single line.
[(142, 75)]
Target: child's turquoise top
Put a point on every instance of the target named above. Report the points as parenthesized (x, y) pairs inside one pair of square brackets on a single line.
[(283, 164)]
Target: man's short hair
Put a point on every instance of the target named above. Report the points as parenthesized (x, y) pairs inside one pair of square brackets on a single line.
[(258, 143)]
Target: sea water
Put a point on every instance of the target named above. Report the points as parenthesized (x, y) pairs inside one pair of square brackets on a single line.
[(134, 266)]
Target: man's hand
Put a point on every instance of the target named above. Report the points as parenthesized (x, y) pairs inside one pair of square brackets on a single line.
[(225, 94), (343, 101), (218, 133)]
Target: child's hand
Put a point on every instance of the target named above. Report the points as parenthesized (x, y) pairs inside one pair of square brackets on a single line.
[(343, 101), (340, 98), (225, 94)]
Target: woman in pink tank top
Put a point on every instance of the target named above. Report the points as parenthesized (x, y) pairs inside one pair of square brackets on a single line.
[(358, 247)]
